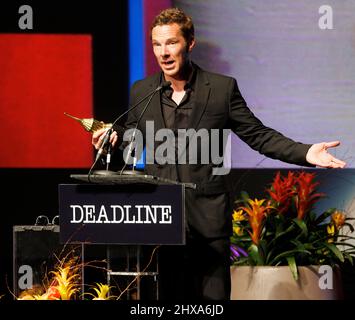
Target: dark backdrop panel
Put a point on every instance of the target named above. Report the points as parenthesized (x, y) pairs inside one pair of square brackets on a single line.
[(103, 22), (34, 191)]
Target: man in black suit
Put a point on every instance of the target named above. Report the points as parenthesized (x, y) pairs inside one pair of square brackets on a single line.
[(201, 100)]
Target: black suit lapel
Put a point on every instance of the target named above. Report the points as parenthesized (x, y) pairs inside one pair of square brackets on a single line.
[(155, 105), (202, 90), (157, 112)]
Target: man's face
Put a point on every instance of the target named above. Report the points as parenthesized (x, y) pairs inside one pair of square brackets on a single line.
[(170, 49)]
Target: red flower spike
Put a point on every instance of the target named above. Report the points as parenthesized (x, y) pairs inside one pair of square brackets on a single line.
[(306, 195), (281, 191)]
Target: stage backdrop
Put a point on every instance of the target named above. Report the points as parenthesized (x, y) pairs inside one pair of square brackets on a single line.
[(43, 76), (296, 76)]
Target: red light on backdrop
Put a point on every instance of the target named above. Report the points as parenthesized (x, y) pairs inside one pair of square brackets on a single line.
[(41, 77)]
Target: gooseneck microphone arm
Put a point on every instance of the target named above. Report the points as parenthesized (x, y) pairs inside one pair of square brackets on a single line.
[(164, 85), (106, 138), (130, 149)]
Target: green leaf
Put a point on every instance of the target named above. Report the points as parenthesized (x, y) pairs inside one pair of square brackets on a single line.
[(236, 239), (349, 257), (281, 234), (293, 266), (333, 248), (244, 196), (298, 244), (269, 256), (287, 254), (255, 254), (324, 215), (241, 261), (309, 246), (262, 247), (302, 225), (312, 216)]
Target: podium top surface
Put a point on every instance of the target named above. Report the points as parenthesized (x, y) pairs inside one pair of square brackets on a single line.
[(108, 177)]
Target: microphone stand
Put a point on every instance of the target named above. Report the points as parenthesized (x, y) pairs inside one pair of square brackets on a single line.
[(108, 156), (106, 138), (129, 154)]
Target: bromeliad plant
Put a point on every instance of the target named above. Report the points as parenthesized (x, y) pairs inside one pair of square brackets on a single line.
[(64, 283), (283, 228)]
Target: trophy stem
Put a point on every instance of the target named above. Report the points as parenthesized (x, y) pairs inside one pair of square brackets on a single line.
[(70, 116)]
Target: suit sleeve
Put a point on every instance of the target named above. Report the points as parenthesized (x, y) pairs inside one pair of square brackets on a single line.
[(263, 139)]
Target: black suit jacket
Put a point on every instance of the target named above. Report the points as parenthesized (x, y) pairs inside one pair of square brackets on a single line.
[(218, 105)]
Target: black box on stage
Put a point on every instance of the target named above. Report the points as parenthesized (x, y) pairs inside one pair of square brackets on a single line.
[(36, 251)]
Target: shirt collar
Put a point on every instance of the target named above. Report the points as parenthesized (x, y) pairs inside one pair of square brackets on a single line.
[(190, 84)]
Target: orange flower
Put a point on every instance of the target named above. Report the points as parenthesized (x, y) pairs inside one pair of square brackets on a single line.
[(338, 219), (257, 213)]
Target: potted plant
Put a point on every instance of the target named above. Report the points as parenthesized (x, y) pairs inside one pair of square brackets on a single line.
[(281, 249)]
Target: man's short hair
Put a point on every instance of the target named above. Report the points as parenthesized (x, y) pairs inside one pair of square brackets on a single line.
[(175, 15)]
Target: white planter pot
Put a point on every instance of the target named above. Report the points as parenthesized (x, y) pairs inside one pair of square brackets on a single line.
[(277, 283)]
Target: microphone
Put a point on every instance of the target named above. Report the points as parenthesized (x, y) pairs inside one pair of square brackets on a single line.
[(106, 138), (164, 85)]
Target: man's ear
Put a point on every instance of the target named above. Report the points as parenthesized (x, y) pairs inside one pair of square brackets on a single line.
[(191, 45)]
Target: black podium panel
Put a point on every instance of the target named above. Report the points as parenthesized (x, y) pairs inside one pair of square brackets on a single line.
[(122, 214)]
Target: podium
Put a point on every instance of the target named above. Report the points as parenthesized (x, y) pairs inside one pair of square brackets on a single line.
[(126, 212)]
